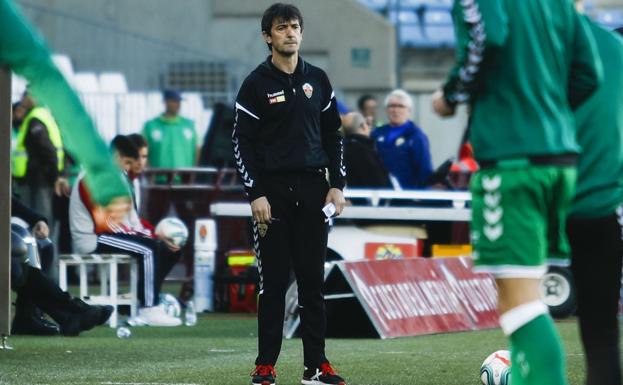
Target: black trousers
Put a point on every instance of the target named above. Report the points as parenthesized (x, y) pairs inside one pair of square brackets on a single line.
[(155, 261), (597, 251), (296, 238), (40, 291)]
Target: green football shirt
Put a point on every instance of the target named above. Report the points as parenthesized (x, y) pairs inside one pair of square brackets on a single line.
[(600, 134), (172, 142), (514, 62)]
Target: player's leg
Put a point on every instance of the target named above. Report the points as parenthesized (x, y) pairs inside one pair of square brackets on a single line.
[(311, 233), (597, 250), (145, 250), (511, 223), (272, 245), (166, 260)]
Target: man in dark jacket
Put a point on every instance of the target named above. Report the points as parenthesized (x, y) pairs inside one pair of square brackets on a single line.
[(403, 145), (365, 168)]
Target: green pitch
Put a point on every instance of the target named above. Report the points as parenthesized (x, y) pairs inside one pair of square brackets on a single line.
[(220, 351)]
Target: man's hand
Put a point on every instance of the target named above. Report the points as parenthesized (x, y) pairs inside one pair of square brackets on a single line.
[(336, 196), (260, 209), (41, 230), (440, 106), (170, 245), (61, 187)]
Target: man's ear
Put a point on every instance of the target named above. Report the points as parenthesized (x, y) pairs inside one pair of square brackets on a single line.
[(267, 38)]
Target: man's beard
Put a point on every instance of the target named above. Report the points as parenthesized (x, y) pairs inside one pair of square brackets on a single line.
[(285, 53)]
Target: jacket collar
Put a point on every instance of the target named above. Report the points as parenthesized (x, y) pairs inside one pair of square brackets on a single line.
[(301, 66)]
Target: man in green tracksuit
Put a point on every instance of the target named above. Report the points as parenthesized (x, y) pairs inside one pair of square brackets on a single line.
[(514, 60), (24, 52), (596, 218)]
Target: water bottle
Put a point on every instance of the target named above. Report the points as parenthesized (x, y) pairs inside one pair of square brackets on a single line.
[(190, 316), (123, 332)]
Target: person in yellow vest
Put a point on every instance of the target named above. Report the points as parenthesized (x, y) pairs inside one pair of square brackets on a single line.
[(38, 157)]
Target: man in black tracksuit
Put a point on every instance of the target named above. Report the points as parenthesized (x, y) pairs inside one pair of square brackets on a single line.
[(285, 138)]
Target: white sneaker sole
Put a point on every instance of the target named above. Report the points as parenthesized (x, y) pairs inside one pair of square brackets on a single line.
[(262, 383), (313, 382)]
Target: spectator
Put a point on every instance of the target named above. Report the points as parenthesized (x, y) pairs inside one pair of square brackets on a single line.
[(156, 256), (171, 138), (18, 116), (38, 157), (402, 145), (367, 105), (139, 166), (35, 289), (363, 164)]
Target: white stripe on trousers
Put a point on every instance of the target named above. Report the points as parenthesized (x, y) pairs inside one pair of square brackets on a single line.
[(148, 262)]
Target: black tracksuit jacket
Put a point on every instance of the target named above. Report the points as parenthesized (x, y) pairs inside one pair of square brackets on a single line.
[(286, 122)]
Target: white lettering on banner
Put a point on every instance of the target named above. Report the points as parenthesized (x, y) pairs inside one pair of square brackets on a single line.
[(410, 299), (370, 301)]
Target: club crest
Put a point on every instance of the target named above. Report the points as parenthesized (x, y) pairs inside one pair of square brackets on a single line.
[(262, 228), (308, 90)]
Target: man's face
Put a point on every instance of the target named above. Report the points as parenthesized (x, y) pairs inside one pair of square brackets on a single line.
[(397, 112), (369, 110), (172, 106), (285, 36), (141, 163), (125, 162), (28, 102)]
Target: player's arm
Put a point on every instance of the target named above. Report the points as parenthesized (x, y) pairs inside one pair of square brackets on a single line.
[(244, 136), (330, 123), (26, 54), (481, 26), (586, 67)]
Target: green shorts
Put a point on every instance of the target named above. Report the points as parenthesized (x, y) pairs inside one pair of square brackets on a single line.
[(518, 218)]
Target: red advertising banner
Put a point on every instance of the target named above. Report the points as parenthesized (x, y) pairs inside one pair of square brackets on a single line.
[(415, 296)]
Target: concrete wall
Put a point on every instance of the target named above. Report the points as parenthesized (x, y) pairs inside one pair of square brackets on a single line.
[(140, 37), (332, 28)]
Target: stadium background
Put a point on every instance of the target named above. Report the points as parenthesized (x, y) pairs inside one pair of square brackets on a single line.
[(205, 48)]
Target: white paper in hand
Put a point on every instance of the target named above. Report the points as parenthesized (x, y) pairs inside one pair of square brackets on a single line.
[(329, 210)]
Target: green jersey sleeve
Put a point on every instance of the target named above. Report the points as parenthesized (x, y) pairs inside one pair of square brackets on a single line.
[(586, 71), (480, 27), (26, 54)]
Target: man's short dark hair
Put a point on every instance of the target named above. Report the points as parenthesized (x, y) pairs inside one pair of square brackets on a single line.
[(138, 140), (280, 12), (124, 146), (363, 99)]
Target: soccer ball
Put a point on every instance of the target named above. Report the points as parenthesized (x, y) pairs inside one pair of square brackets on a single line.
[(174, 230), (496, 369)]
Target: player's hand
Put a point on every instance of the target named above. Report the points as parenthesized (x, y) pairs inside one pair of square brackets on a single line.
[(41, 230), (260, 210), (440, 106), (61, 187), (114, 213), (169, 244), (336, 196)]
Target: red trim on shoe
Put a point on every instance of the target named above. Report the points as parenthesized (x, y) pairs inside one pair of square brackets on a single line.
[(264, 370)]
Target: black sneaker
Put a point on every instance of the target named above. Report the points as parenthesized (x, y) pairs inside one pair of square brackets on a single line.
[(324, 375), (263, 375), (34, 326)]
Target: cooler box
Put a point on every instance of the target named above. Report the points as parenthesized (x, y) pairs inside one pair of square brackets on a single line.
[(242, 286)]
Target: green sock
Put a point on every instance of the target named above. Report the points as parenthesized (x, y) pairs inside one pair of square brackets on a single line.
[(537, 355)]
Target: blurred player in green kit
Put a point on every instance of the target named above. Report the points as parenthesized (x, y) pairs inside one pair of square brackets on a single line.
[(25, 53), (514, 61), (596, 218)]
